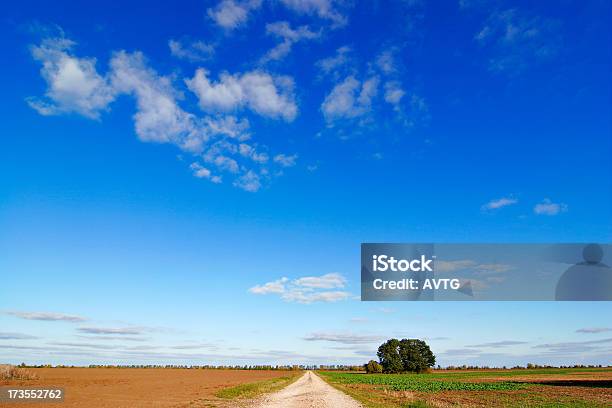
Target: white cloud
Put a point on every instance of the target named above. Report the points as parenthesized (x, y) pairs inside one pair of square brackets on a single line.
[(113, 330), (594, 330), (327, 281), (345, 338), (225, 163), (159, 118), (289, 36), (516, 40), (257, 90), (73, 84), (250, 181), (250, 152), (195, 51), (219, 139), (308, 289), (394, 92), (350, 99), (331, 65), (230, 126), (15, 336), (47, 316), (306, 297), (285, 160), (277, 286), (202, 172), (323, 8), (231, 14), (499, 203), (386, 62), (547, 207)]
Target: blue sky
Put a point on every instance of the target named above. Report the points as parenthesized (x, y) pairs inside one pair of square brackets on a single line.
[(191, 183)]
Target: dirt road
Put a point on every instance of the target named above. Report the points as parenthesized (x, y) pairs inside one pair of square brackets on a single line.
[(309, 391)]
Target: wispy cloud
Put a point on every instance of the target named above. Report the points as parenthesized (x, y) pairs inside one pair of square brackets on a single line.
[(308, 289), (195, 51), (47, 316), (461, 352), (285, 160), (515, 39), (15, 336), (84, 345), (386, 61), (394, 92), (344, 338), (350, 99), (113, 330), (277, 286), (309, 296), (574, 346), (328, 281), (547, 207), (233, 14), (288, 36), (325, 9), (355, 96), (336, 64), (230, 14), (594, 330), (195, 346), (112, 338), (499, 203), (498, 344)]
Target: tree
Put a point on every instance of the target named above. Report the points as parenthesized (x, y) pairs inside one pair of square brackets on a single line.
[(398, 356), (416, 355), (373, 367), (388, 355)]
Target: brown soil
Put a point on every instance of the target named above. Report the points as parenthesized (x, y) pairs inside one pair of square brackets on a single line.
[(138, 387)]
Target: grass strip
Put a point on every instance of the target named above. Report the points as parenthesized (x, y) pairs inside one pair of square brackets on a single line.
[(255, 389)]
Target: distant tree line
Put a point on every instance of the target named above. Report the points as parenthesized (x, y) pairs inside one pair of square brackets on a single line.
[(372, 366), (294, 367), (528, 366)]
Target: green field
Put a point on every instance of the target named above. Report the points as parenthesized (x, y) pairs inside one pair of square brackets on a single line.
[(420, 382), (511, 388)]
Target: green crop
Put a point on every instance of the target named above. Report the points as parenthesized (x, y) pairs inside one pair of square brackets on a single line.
[(419, 382)]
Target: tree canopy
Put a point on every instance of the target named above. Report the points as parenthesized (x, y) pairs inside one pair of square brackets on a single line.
[(373, 367), (397, 356)]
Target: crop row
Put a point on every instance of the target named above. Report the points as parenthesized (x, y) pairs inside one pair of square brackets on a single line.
[(413, 382)]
